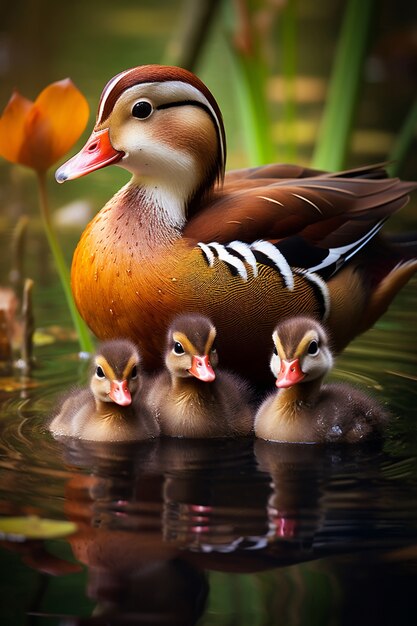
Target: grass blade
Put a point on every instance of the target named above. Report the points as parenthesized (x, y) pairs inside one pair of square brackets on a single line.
[(335, 132)]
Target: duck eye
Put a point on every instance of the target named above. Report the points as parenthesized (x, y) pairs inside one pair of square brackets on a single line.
[(313, 348), (99, 372), (142, 109), (134, 372), (178, 349)]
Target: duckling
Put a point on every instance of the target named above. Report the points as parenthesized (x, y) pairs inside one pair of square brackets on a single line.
[(111, 409), (188, 397), (304, 410)]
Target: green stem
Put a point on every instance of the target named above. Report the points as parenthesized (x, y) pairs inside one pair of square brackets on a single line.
[(335, 132), (84, 337), (251, 89)]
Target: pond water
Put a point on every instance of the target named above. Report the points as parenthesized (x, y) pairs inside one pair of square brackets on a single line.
[(226, 532)]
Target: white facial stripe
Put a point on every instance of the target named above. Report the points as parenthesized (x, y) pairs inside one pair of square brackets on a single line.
[(185, 91), (165, 92), (108, 89)]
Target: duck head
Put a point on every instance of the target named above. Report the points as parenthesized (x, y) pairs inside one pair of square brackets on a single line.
[(301, 352), (116, 372), (164, 126), (190, 348)]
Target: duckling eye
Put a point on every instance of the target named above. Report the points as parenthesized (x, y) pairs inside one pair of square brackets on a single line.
[(313, 348), (134, 372), (142, 109), (99, 372), (178, 349)]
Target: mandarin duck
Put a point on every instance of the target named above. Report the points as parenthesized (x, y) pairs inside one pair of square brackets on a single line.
[(304, 410), (246, 249), (189, 398), (112, 408)]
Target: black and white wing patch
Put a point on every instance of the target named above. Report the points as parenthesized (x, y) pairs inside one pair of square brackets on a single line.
[(290, 255)]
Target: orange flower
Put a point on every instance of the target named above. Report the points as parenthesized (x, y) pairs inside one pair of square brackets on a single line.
[(39, 133)]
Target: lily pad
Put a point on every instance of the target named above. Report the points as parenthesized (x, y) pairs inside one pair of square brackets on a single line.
[(33, 527)]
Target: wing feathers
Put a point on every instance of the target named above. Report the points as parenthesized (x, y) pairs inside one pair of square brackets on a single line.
[(322, 208)]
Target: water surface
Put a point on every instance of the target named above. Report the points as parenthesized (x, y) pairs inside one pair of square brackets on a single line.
[(216, 532)]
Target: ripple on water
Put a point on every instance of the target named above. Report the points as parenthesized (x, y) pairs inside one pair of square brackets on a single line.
[(224, 497)]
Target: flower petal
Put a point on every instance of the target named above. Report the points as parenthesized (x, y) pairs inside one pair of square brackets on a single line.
[(12, 126), (37, 147), (67, 112)]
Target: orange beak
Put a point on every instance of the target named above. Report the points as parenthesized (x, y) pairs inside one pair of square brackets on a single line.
[(97, 153), (119, 392), (290, 373), (201, 368)]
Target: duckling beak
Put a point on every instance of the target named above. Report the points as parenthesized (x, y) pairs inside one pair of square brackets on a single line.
[(290, 373), (97, 153), (201, 368), (119, 392)]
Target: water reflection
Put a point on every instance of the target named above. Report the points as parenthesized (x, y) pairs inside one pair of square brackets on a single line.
[(155, 518), (175, 531), (131, 569)]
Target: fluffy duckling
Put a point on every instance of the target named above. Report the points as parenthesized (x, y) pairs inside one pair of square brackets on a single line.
[(112, 409), (304, 410), (188, 397)]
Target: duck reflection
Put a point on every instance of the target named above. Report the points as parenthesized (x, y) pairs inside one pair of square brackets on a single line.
[(153, 518), (156, 518), (321, 495), (295, 507), (213, 497), (133, 573)]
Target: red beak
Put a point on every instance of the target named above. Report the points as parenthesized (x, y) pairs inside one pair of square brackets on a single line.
[(97, 153), (290, 373), (201, 369), (119, 392)]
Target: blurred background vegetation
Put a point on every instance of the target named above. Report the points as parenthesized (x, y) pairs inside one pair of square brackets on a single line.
[(268, 62), (326, 82), (331, 83)]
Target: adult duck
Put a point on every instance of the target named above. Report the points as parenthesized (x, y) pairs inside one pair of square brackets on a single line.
[(304, 410), (112, 408), (192, 398), (246, 249)]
